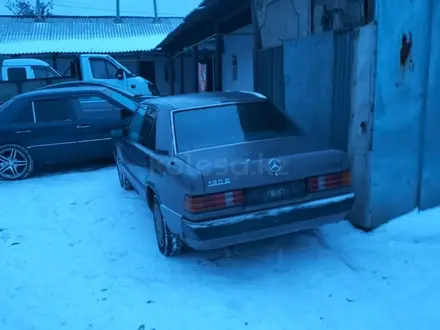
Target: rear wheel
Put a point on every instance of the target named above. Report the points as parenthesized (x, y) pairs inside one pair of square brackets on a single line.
[(122, 178), (15, 162), (168, 243)]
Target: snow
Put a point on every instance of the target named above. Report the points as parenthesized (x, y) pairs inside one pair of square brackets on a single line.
[(77, 252), (92, 45)]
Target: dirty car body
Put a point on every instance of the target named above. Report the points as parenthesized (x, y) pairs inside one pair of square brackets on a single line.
[(230, 168)]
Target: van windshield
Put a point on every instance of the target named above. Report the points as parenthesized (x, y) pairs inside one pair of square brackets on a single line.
[(231, 124)]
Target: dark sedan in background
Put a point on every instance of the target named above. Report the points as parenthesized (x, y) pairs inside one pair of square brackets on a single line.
[(60, 125), (81, 83), (219, 169)]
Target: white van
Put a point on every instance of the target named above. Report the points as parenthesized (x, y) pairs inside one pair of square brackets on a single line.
[(93, 67)]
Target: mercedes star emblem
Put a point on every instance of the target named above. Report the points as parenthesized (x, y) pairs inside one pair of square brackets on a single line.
[(274, 165)]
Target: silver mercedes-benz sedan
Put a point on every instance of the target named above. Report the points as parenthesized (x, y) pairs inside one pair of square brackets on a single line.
[(219, 169)]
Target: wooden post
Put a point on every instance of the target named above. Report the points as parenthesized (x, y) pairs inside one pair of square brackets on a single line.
[(54, 61), (218, 57), (170, 67), (195, 68), (182, 73), (257, 42)]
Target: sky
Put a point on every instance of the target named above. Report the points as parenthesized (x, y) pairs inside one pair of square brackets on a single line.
[(108, 7)]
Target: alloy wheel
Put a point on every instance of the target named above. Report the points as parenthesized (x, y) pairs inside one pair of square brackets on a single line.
[(13, 163)]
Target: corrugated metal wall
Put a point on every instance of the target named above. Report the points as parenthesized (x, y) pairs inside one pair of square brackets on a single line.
[(270, 78), (308, 79), (343, 65)]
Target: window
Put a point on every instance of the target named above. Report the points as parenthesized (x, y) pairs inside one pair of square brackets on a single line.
[(234, 68), (3, 106), (51, 110), (43, 72), (95, 104), (103, 69), (26, 115), (148, 133), (228, 124), (134, 131), (17, 74)]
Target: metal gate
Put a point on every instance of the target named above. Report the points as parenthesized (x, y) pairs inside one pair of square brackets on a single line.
[(270, 75)]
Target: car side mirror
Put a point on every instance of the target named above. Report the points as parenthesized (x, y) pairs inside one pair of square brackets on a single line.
[(126, 114), (117, 133), (120, 74)]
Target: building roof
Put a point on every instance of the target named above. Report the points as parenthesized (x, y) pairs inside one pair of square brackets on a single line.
[(64, 34), (209, 18)]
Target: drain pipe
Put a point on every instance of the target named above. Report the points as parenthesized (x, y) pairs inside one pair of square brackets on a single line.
[(118, 11), (38, 9), (156, 15)]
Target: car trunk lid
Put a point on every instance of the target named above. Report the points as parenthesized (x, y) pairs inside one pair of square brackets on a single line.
[(262, 163)]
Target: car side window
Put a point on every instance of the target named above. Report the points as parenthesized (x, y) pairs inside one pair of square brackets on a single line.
[(134, 130), (103, 69), (97, 107), (17, 74), (26, 115), (51, 110), (148, 132)]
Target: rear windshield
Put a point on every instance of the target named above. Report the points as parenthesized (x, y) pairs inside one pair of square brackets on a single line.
[(229, 124)]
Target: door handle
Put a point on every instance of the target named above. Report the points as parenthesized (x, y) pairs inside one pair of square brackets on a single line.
[(21, 132), (82, 126)]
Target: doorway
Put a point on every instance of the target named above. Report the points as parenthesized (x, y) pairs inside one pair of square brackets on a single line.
[(208, 60), (147, 71)]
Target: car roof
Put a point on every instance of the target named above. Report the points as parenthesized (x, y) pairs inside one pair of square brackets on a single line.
[(84, 83), (60, 92), (205, 99)]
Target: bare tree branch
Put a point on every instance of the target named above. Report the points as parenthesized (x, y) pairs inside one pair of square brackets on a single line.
[(26, 8)]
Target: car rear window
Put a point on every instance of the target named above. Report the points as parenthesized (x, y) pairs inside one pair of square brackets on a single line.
[(229, 124)]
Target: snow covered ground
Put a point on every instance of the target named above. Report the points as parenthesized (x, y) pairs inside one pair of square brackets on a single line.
[(78, 253)]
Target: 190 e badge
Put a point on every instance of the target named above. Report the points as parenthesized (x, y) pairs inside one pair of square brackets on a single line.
[(219, 182)]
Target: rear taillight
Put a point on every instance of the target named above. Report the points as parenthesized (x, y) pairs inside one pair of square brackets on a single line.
[(214, 202), (331, 181)]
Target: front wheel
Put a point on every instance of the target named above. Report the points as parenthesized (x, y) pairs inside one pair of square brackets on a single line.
[(15, 162), (168, 243)]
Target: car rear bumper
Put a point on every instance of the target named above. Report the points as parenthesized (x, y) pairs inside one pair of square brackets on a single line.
[(248, 227)]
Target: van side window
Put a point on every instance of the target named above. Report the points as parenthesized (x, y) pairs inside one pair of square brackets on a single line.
[(17, 74), (103, 69), (43, 72)]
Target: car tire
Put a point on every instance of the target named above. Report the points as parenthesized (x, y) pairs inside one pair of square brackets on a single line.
[(122, 178), (15, 163), (169, 244)]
